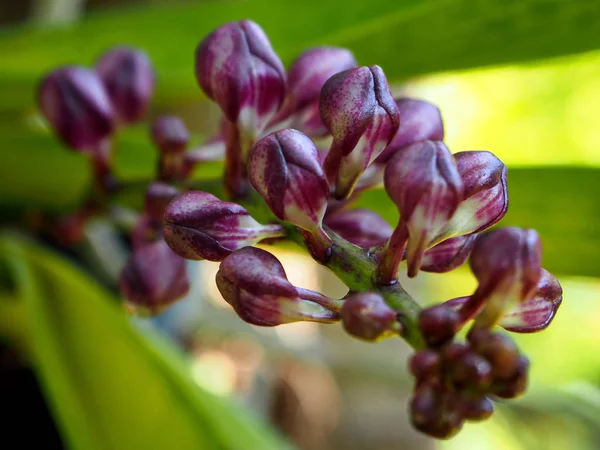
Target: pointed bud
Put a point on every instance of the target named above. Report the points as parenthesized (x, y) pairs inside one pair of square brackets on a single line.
[(200, 226), (153, 278), (306, 78), (158, 197), (424, 183), (449, 254), (238, 69), (506, 263), (419, 121), (361, 227), (367, 316), (485, 194), (75, 102), (129, 80), (538, 312), (284, 168), (358, 109), (254, 283)]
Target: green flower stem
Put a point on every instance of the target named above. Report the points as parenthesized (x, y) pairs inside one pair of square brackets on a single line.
[(357, 270)]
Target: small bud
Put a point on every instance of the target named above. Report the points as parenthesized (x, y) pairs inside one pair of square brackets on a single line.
[(470, 370), (499, 350), (171, 136), (438, 324), (424, 183), (284, 168), (254, 283), (517, 384), (358, 109), (158, 197), (435, 413), (476, 408), (449, 254), (425, 365), (129, 80), (538, 312), (74, 101), (200, 226), (361, 227), (306, 78), (506, 263), (485, 194), (153, 278), (367, 316), (419, 121), (238, 69)]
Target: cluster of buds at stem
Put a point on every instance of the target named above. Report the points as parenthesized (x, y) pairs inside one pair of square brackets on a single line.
[(305, 190)]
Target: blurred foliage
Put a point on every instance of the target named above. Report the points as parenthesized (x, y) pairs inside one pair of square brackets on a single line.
[(111, 385)]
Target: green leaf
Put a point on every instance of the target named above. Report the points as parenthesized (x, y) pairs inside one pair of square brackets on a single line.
[(110, 386), (561, 203)]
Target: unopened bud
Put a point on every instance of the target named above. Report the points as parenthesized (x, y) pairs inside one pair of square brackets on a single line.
[(238, 69), (361, 227), (506, 263), (358, 109), (499, 350), (254, 283), (476, 407), (75, 102), (425, 365), (129, 79), (171, 136), (200, 226), (438, 324), (153, 278), (366, 316), (158, 197), (419, 121), (425, 184)]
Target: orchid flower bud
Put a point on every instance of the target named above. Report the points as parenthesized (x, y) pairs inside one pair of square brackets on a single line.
[(361, 227), (238, 69), (366, 316), (358, 109), (158, 197), (485, 194), (254, 283), (75, 102), (129, 80), (306, 78), (425, 184), (171, 136), (419, 121), (197, 225), (506, 263), (153, 278), (284, 168), (448, 255)]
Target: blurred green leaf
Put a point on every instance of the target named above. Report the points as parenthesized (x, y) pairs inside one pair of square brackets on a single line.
[(561, 203), (405, 37), (109, 385)]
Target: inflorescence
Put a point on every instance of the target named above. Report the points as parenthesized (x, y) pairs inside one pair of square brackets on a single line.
[(305, 144)]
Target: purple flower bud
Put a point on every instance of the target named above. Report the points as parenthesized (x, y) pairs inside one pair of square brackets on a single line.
[(153, 278), (75, 102), (170, 134), (367, 316), (419, 121), (538, 312), (485, 194), (434, 412), (200, 226), (425, 184), (358, 109), (284, 168), (476, 407), (506, 263), (238, 69), (438, 324), (425, 365), (499, 350), (129, 79), (449, 254), (362, 227), (254, 283), (158, 197)]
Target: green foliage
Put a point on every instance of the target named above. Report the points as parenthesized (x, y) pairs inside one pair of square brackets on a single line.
[(111, 385)]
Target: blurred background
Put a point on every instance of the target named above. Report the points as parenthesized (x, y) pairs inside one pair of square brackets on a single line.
[(518, 78)]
